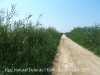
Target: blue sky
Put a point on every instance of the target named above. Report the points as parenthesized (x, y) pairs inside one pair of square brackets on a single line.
[(64, 15)]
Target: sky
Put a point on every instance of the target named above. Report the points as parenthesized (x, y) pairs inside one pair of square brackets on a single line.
[(64, 15)]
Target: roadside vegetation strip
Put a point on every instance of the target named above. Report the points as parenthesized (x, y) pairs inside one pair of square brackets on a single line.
[(26, 46), (88, 37)]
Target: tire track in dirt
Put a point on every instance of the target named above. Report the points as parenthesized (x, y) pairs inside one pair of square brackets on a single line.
[(73, 59)]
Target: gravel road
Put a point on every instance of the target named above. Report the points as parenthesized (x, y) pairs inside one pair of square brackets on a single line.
[(73, 59)]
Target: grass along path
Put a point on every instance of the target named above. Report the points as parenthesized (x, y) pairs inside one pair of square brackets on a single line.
[(73, 59)]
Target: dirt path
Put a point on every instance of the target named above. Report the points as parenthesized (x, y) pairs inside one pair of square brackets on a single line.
[(73, 59)]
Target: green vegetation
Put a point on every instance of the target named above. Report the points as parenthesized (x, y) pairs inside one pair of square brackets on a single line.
[(23, 45), (88, 37)]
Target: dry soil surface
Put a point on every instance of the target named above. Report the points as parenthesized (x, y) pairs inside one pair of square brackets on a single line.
[(73, 59)]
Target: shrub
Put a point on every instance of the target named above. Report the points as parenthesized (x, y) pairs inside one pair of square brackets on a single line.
[(26, 46), (88, 37)]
